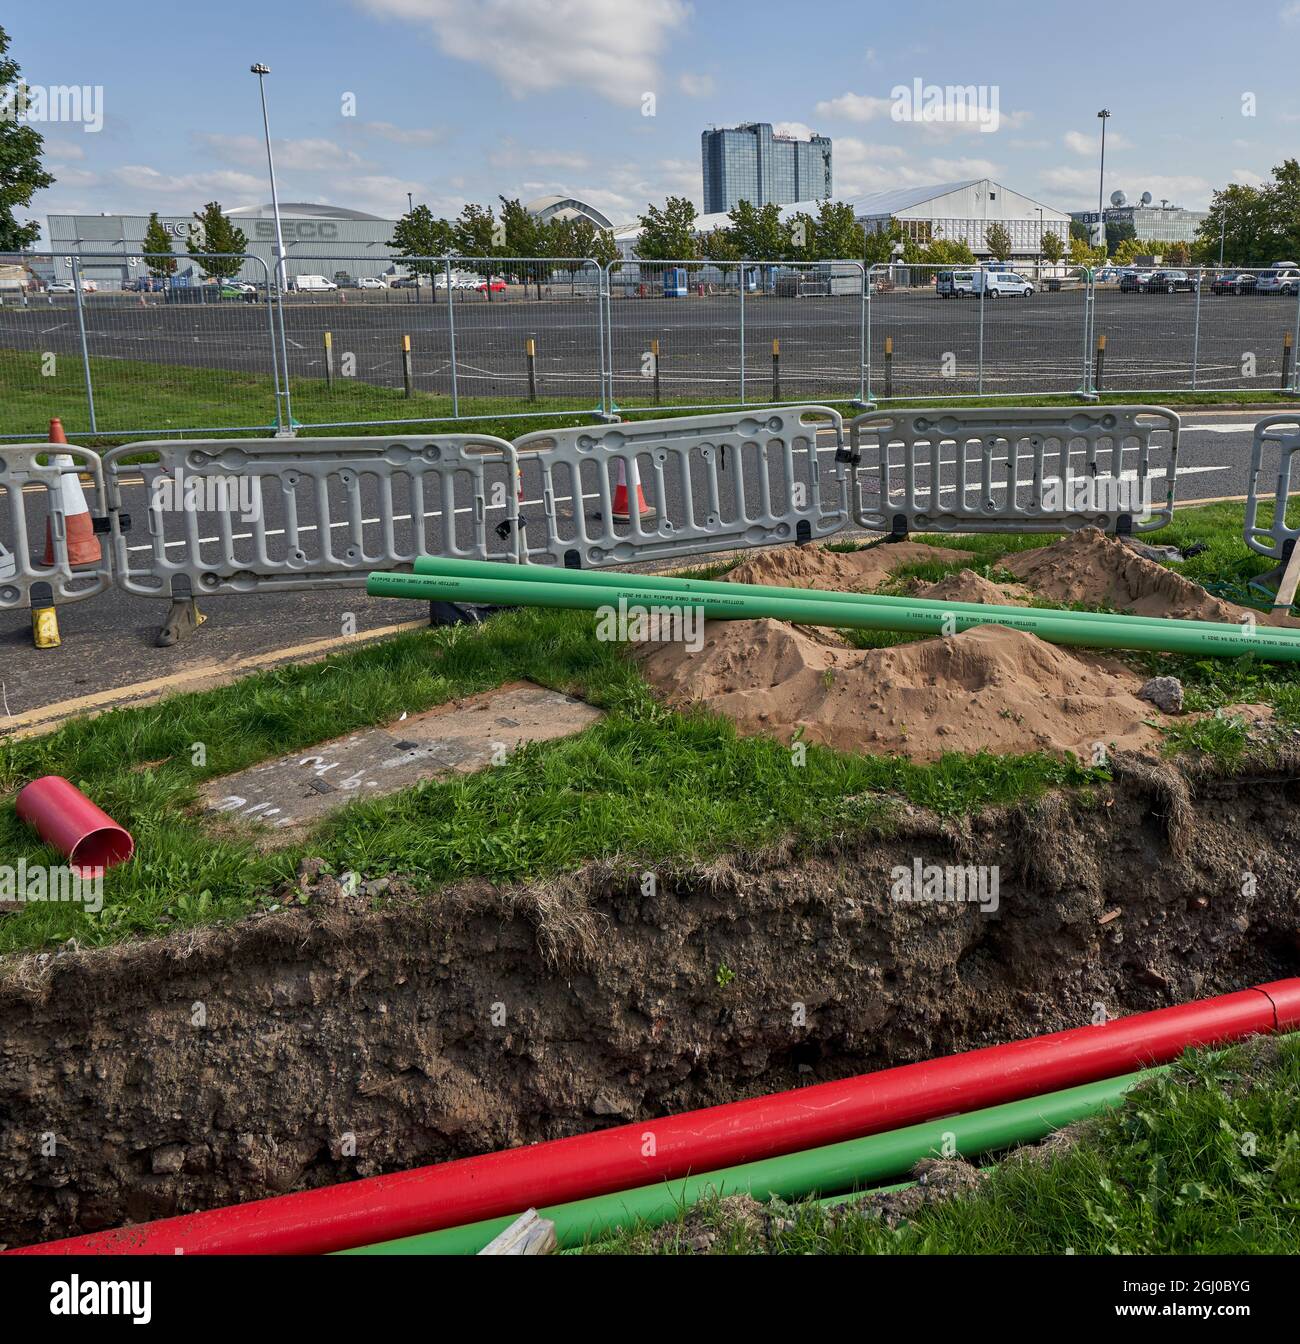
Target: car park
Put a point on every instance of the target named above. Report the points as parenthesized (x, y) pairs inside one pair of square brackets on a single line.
[(1134, 281)]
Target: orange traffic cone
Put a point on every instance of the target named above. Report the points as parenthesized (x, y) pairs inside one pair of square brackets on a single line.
[(83, 544), (620, 510)]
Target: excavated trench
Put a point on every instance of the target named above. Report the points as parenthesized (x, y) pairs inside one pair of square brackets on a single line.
[(369, 1033)]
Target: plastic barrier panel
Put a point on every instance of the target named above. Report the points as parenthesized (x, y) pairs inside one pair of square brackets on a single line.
[(1014, 469), (251, 515), (1272, 455), (613, 494)]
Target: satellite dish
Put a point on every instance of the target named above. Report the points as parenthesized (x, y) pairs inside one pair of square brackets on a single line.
[(1146, 198), (1117, 198)]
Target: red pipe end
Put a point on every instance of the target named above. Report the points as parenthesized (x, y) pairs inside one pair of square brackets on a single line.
[(68, 821)]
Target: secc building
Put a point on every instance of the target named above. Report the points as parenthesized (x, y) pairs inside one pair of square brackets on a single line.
[(318, 240)]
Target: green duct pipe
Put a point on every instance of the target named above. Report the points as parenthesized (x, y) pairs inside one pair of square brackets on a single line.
[(835, 1167), (1149, 633), (667, 583)]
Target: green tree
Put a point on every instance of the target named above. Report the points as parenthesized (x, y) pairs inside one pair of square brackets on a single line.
[(998, 240), (421, 234), (719, 245), (215, 233), (1052, 247), (525, 237), (1117, 232), (839, 235), (668, 234), (758, 233), (475, 235), (21, 171), (948, 252), (158, 254)]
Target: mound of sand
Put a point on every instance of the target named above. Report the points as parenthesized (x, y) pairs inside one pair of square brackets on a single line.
[(1090, 567), (989, 689), (967, 586), (849, 571)]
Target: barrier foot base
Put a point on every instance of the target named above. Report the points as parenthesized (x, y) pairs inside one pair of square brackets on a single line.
[(45, 628), (183, 618)]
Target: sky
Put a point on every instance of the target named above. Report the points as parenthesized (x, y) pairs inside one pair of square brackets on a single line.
[(465, 100)]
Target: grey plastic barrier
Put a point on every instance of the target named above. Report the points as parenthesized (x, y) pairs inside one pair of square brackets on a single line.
[(1014, 469), (1278, 434), (711, 482), (271, 515), (32, 511)]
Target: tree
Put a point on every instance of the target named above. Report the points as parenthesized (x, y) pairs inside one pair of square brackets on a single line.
[(719, 245), (1083, 255), (668, 234), (1178, 254), (998, 240), (526, 237), (21, 171), (839, 235), (758, 233), (1052, 248), (474, 236), (421, 234), (947, 252), (215, 233), (1117, 232), (158, 254)]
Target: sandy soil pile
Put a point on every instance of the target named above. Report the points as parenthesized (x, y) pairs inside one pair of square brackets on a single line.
[(967, 586), (987, 689), (1090, 567), (852, 571)]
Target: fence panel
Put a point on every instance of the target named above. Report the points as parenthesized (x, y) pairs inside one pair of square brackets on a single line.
[(710, 482), (250, 515), (1272, 519), (1246, 334), (1035, 470), (37, 566)]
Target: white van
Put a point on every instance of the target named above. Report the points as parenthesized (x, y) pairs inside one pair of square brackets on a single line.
[(1006, 282), (312, 284)]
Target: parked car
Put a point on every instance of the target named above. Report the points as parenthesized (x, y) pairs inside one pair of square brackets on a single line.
[(371, 282), (1233, 282), (1134, 282), (1169, 282), (497, 285), (1283, 277), (997, 283), (344, 281), (61, 287)]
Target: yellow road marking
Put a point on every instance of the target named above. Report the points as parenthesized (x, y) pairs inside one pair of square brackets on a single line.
[(203, 676)]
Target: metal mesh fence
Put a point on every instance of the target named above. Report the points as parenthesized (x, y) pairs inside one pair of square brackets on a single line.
[(135, 353)]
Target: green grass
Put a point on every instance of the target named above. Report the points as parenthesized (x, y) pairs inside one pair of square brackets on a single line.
[(1204, 1159), (645, 784), (139, 394)]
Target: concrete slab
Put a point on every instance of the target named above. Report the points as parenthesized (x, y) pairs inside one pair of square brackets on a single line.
[(292, 792)]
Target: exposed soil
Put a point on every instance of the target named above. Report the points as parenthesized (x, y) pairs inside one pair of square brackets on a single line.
[(1097, 570), (230, 1063), (989, 688), (852, 571)]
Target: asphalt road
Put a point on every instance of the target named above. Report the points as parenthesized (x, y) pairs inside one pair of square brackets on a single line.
[(108, 641), (1026, 345)]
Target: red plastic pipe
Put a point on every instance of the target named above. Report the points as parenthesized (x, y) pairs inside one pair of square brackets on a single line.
[(67, 820), (381, 1208)]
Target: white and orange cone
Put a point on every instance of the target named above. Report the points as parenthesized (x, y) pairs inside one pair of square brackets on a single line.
[(83, 544), (620, 510)]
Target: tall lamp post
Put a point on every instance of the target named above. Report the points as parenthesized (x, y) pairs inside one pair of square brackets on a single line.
[(261, 71), (1104, 115)]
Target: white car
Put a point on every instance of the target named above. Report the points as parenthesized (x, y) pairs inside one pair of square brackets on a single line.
[(61, 287), (1283, 277), (371, 282)]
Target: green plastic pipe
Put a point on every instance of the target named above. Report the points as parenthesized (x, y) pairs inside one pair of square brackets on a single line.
[(1148, 633), (497, 569), (835, 1167)]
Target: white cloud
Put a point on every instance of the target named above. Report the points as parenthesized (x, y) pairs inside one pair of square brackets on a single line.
[(308, 156), (230, 188), (854, 107), (608, 46), (1290, 14), (402, 135), (861, 168), (795, 129), (695, 86), (1246, 177), (1090, 145), (1078, 187), (66, 151)]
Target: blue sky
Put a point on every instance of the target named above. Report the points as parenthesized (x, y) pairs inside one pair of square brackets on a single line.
[(458, 100)]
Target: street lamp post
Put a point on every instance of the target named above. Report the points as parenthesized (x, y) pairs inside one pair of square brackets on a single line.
[(261, 71), (1104, 116), (1223, 219)]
